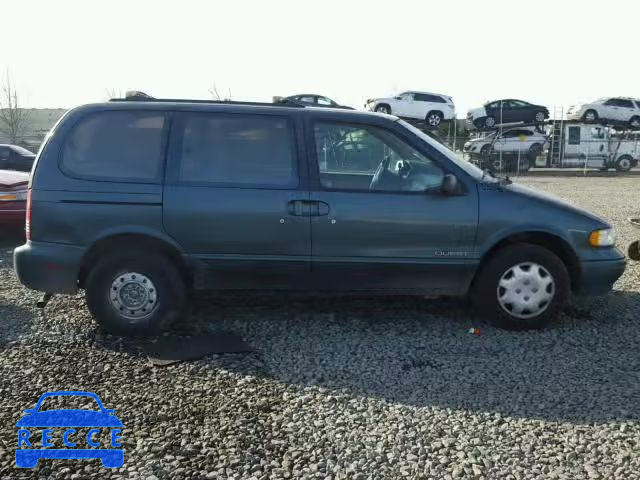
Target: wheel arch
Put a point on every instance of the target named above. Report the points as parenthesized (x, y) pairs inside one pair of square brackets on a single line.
[(139, 240), (554, 243)]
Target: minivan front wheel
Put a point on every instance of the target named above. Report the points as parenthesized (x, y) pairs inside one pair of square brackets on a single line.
[(135, 292), (521, 287)]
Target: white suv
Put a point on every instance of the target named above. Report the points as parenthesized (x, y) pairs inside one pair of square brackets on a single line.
[(527, 141), (432, 108), (614, 110)]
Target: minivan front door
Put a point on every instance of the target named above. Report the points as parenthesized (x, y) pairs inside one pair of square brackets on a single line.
[(235, 199), (387, 225)]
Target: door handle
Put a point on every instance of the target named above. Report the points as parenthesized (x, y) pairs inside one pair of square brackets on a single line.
[(307, 208), (297, 208), (322, 208)]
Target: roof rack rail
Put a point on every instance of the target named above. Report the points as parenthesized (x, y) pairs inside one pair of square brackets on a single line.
[(136, 96)]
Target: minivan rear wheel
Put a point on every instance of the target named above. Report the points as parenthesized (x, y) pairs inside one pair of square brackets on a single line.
[(521, 287), (135, 292)]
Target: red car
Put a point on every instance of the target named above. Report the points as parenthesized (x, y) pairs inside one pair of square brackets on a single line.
[(13, 199)]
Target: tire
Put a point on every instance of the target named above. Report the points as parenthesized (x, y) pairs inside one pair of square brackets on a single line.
[(590, 116), (534, 152), (497, 165), (635, 122), (539, 117), (489, 122), (624, 163), (525, 314), (153, 280), (434, 119), (383, 108), (485, 151)]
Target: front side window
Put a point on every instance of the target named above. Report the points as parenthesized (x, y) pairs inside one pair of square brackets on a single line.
[(519, 104), (366, 158), (407, 96), (325, 101), (237, 150), (116, 145)]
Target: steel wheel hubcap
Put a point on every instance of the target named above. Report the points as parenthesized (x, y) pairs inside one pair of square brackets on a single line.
[(133, 295), (526, 290), (590, 116), (624, 163), (434, 119), (490, 122), (539, 116)]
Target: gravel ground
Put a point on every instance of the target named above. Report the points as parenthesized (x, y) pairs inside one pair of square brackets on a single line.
[(351, 387)]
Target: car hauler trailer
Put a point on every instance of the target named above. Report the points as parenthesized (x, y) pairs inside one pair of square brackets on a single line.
[(569, 144)]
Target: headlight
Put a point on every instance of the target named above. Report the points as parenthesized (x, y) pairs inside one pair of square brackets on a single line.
[(602, 238)]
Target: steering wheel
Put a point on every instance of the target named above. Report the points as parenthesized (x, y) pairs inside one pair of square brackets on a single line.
[(380, 172)]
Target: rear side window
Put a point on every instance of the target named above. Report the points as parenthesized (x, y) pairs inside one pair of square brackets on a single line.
[(116, 146), (236, 150), (426, 97), (619, 102)]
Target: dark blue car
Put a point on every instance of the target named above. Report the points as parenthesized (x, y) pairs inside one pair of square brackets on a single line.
[(27, 455), (139, 201)]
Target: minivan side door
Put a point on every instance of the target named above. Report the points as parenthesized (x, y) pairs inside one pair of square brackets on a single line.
[(398, 232), (235, 198)]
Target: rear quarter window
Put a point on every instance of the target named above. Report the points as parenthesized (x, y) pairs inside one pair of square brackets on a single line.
[(115, 146)]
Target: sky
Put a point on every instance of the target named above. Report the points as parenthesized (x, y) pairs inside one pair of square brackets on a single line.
[(62, 53)]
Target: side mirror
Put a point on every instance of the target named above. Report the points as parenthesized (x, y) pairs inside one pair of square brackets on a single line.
[(450, 184), (29, 411), (398, 98)]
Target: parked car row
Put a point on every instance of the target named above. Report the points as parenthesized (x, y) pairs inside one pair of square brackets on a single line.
[(435, 108)]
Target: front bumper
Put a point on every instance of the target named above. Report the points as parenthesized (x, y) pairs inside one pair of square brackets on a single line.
[(598, 276), (48, 267)]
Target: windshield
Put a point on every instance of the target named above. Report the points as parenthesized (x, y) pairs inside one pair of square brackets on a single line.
[(21, 151), (469, 168)]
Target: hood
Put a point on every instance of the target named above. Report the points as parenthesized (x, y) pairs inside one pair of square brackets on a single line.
[(69, 418), (475, 141), (11, 180), (553, 201)]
